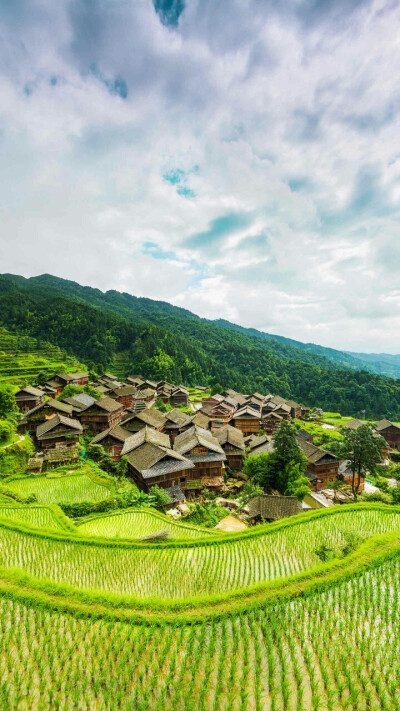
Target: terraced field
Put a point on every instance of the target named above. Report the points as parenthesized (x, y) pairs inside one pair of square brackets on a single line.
[(137, 523), (129, 634), (64, 490), (22, 358), (40, 516), (189, 568)]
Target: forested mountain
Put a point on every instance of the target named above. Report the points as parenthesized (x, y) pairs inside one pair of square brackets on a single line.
[(163, 341)]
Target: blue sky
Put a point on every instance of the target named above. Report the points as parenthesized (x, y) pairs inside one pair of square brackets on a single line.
[(239, 159)]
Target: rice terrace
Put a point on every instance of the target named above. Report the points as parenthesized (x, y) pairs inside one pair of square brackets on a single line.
[(212, 622)]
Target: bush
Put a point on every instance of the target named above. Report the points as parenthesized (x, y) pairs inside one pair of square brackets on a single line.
[(207, 516), (250, 491), (161, 496), (377, 496)]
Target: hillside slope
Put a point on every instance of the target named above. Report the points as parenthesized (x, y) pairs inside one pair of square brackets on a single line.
[(163, 341)]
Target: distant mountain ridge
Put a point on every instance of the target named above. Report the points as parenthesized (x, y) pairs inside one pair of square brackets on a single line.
[(162, 341)]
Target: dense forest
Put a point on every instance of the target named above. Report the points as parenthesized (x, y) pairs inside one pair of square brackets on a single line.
[(162, 341)]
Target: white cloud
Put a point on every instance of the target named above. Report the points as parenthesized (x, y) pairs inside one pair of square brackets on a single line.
[(285, 116)]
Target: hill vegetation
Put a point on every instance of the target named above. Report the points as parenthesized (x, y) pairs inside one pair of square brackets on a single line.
[(128, 334)]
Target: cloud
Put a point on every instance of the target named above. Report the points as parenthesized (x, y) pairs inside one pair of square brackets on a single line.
[(241, 163)]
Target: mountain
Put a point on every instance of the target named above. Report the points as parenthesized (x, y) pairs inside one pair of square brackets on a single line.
[(127, 334)]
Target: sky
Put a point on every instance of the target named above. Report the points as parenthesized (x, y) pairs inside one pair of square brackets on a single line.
[(239, 158)]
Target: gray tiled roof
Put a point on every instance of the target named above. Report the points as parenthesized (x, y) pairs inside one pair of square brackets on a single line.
[(53, 422), (274, 507)]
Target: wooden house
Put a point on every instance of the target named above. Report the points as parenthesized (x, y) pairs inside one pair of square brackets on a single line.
[(232, 442), (270, 422), (135, 421), (41, 413), (306, 436), (390, 432), (101, 415), (206, 454), (212, 400), (71, 379), (152, 461), (176, 422), (179, 397), (247, 420), (124, 394), (112, 440), (345, 474), (58, 431), (28, 397), (321, 464), (164, 390), (221, 414), (148, 385), (79, 402)]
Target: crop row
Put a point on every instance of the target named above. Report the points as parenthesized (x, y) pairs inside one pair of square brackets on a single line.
[(64, 490), (137, 524), (336, 650), (193, 568)]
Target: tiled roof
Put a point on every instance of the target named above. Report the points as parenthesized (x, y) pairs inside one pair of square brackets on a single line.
[(274, 507), (313, 453), (230, 435), (53, 422), (146, 434), (194, 437), (118, 432)]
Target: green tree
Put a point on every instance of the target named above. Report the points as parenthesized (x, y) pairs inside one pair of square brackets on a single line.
[(249, 491), (121, 469), (297, 484), (8, 406), (286, 455), (161, 496), (71, 390), (363, 448), (257, 467)]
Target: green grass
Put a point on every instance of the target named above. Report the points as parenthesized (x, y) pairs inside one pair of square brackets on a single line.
[(336, 419), (64, 490), (197, 395), (137, 523), (206, 566)]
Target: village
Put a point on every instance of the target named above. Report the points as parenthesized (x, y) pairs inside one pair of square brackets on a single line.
[(183, 440)]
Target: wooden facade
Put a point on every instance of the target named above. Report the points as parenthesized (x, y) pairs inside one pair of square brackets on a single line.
[(322, 466), (247, 421), (102, 415), (390, 432), (28, 398), (59, 431), (39, 414)]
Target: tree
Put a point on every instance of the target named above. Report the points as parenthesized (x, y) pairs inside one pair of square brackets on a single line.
[(161, 496), (71, 390), (42, 378), (362, 447), (286, 455), (297, 484), (249, 491), (121, 468), (8, 406), (257, 467)]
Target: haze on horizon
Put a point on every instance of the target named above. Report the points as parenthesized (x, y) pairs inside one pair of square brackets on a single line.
[(241, 160)]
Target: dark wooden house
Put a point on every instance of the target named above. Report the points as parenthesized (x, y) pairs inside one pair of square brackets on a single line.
[(112, 440), (101, 415), (206, 454), (247, 420), (179, 397), (232, 442), (135, 421), (71, 379), (125, 395), (152, 461), (28, 397), (321, 464), (176, 422), (58, 431), (390, 432), (43, 412)]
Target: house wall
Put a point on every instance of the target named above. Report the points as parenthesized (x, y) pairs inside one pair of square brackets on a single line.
[(247, 426), (392, 436), (326, 471), (24, 405)]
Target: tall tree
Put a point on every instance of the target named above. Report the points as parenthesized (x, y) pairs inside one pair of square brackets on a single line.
[(8, 406), (286, 455), (362, 447)]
